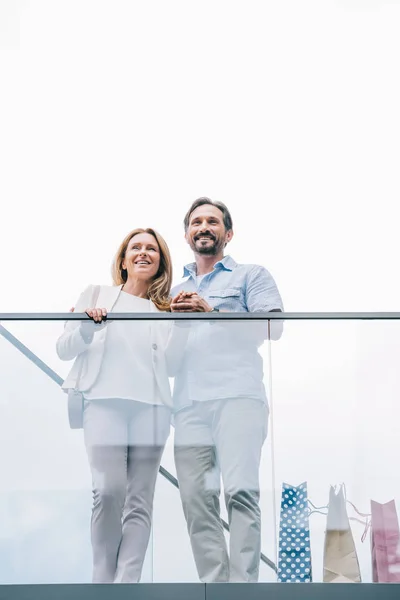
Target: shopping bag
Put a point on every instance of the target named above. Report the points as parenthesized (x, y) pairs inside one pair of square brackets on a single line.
[(294, 554), (385, 543), (340, 557)]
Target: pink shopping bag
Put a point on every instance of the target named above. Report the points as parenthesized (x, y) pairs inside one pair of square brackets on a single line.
[(385, 543)]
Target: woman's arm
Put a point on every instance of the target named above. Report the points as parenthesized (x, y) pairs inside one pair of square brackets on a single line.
[(73, 341)]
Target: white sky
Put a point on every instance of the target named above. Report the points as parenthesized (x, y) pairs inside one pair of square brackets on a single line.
[(118, 115)]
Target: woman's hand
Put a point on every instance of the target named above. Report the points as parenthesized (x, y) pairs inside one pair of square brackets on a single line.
[(98, 317), (97, 314)]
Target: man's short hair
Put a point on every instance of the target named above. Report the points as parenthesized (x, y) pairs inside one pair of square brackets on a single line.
[(204, 200)]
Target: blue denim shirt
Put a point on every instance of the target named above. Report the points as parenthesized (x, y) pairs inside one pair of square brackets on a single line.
[(222, 359)]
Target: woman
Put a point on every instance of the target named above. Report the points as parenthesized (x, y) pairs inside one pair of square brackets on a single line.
[(122, 369)]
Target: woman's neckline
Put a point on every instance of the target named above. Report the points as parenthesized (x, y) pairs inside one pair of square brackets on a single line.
[(133, 296)]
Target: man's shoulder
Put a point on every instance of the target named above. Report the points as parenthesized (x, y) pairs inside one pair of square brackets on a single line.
[(249, 267), (244, 269), (230, 264)]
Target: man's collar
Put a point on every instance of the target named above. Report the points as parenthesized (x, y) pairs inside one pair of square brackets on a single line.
[(226, 264)]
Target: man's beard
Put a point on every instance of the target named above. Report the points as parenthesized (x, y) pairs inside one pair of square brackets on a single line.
[(209, 250)]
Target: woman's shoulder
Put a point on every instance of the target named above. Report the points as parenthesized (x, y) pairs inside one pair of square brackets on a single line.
[(91, 286), (93, 291), (109, 287)]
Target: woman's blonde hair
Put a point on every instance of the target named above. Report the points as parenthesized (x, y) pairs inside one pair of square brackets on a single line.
[(159, 288)]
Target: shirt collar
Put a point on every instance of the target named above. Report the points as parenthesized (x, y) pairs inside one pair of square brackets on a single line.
[(226, 264)]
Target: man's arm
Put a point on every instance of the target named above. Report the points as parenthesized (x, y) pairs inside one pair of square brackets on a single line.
[(262, 295)]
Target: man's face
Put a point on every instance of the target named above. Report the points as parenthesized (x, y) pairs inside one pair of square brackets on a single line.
[(206, 233)]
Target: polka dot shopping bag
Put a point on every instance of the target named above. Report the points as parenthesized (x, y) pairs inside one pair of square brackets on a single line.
[(294, 554)]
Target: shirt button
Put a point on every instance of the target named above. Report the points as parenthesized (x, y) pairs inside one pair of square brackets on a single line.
[(154, 346)]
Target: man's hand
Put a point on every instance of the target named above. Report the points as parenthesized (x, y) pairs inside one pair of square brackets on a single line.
[(189, 302)]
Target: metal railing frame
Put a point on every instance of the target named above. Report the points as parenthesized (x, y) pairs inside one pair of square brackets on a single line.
[(219, 316)]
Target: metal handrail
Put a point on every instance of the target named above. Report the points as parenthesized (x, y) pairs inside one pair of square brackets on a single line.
[(214, 316), (58, 380)]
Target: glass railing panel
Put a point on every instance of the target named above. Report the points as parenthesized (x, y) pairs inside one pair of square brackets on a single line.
[(224, 356), (335, 421), (45, 484)]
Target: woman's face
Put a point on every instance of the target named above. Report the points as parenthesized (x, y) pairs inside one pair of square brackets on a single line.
[(142, 257)]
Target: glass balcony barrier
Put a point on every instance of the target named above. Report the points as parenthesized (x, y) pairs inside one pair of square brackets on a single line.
[(316, 456)]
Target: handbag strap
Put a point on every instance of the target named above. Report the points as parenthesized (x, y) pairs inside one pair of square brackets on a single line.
[(95, 297)]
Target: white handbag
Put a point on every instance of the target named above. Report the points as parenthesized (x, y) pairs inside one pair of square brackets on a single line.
[(75, 397)]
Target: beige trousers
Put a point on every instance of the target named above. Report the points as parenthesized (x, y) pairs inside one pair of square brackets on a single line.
[(213, 439)]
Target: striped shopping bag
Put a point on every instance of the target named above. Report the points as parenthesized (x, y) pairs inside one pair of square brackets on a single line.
[(294, 554)]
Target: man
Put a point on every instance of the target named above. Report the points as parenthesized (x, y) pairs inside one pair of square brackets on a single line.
[(221, 411)]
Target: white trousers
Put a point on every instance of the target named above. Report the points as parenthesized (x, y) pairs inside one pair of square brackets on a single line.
[(214, 438), (124, 442)]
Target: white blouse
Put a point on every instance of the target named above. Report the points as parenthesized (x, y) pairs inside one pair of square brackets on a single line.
[(127, 371)]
